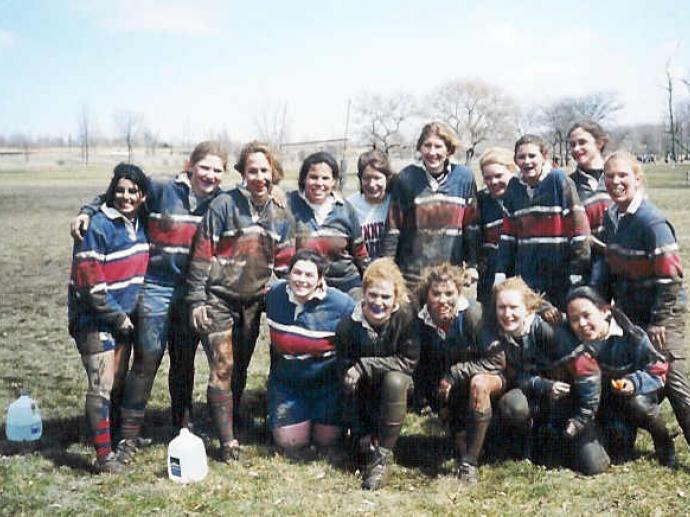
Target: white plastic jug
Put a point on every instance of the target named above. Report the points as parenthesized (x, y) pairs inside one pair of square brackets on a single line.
[(23, 420), (187, 458)]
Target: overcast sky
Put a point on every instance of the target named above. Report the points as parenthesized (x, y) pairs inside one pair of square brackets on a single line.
[(197, 67)]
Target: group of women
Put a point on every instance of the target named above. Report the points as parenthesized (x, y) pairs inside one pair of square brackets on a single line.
[(366, 306)]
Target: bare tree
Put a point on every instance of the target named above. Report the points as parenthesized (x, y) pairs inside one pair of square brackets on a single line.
[(642, 140), (272, 123), (671, 122), (559, 116), (129, 124), (476, 110), (381, 117), (682, 111), (150, 141), (84, 133)]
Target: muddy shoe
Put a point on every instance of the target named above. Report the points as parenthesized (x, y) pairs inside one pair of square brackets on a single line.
[(230, 452), (467, 473), (127, 450), (109, 464), (377, 469)]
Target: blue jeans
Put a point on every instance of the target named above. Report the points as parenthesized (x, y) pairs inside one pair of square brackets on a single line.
[(162, 320)]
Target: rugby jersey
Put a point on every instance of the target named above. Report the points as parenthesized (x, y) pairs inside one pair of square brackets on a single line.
[(108, 268), (626, 353), (431, 222), (644, 274), (595, 199), (237, 248), (303, 351), (545, 235), (338, 238), (394, 346), (173, 214), (490, 216)]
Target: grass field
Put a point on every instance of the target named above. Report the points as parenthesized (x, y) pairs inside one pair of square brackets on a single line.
[(37, 354)]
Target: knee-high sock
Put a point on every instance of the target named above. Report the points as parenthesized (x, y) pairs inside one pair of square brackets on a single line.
[(97, 411), (220, 407), (131, 422), (479, 424)]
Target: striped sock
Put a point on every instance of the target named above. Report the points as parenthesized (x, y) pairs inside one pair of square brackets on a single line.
[(98, 416)]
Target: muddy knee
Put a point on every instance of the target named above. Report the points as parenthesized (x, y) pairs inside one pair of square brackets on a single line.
[(481, 388), (220, 344), (100, 373)]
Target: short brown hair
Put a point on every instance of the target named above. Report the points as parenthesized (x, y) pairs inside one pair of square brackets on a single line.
[(315, 159), (601, 137), (443, 272), (260, 147), (203, 149), (535, 140), (442, 131), (386, 270), (378, 161)]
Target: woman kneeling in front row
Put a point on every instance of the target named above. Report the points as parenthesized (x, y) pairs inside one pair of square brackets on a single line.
[(633, 374), (534, 401), (304, 394)]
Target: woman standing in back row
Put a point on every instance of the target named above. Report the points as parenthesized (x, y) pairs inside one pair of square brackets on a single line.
[(328, 224), (108, 267), (173, 210), (245, 236), (587, 141), (642, 273), (432, 217), (372, 201), (545, 236)]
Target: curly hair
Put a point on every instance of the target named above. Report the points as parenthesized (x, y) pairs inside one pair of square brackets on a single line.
[(386, 270), (260, 147), (444, 272)]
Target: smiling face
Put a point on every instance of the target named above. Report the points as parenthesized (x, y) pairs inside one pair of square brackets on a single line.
[(584, 149), (319, 183), (531, 162), (257, 176), (496, 178), (128, 198), (206, 175), (587, 320), (621, 182), (511, 310), (373, 185), (303, 279), (434, 153), (441, 300), (378, 302)]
